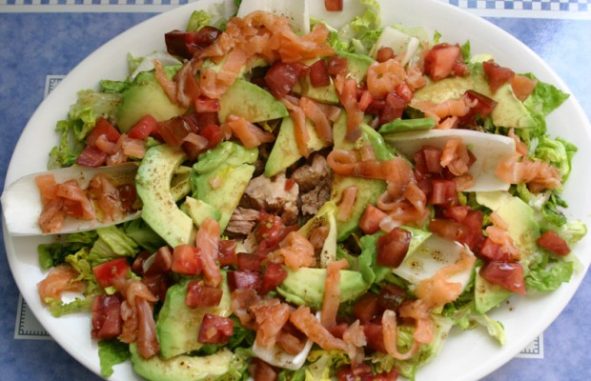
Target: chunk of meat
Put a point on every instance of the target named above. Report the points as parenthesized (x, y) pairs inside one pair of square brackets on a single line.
[(273, 196), (242, 221), (313, 200)]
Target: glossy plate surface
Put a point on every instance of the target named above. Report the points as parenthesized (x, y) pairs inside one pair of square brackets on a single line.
[(467, 355)]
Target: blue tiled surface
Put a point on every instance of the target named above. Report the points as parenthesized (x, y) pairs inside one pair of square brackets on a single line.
[(27, 56)]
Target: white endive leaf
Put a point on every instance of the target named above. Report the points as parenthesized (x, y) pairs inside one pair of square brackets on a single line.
[(433, 255), (21, 201), (297, 11), (489, 150)]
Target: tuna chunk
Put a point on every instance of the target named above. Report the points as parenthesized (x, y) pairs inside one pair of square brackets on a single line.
[(275, 196), (243, 221)]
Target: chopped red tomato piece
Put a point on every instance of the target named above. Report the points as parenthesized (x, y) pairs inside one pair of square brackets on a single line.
[(392, 247), (370, 220), (145, 127), (91, 157), (319, 74), (174, 131), (106, 273), (102, 127), (551, 241), (481, 107), (494, 252), (451, 230), (523, 86), (496, 75), (336, 65), (213, 133), (106, 317), (441, 60), (273, 276), (158, 263), (375, 337), (201, 295), (391, 297), (186, 44), (186, 260), (393, 107), (443, 192), (333, 5), (227, 252), (506, 275), (270, 229), (215, 329)]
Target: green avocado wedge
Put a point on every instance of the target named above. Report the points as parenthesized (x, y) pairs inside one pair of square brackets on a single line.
[(153, 187), (251, 102)]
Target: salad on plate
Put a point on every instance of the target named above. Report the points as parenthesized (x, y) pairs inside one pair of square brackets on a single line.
[(277, 199)]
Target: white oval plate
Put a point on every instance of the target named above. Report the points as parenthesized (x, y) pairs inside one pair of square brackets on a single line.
[(466, 355)]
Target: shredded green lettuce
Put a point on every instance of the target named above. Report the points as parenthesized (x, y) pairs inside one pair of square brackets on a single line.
[(543, 100), (238, 367), (359, 35), (53, 254), (549, 276), (111, 353), (80, 262), (322, 363), (58, 308), (572, 231), (557, 152), (143, 235), (198, 20), (112, 243)]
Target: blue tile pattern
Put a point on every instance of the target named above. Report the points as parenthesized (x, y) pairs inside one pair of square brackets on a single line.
[(29, 54)]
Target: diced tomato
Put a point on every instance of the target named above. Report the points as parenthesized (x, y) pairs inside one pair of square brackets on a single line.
[(496, 75), (204, 119), (392, 247), (244, 279), (282, 77), (451, 230), (523, 86), (375, 337), (213, 133), (336, 65), (391, 297), (186, 260), (338, 330), (203, 104), (319, 74), (432, 157), (440, 61), (227, 252), (248, 262), (186, 44), (370, 220), (102, 127), (145, 127), (106, 273), (127, 196), (552, 242), (506, 275), (333, 5), (474, 236), (173, 131), (384, 54), (91, 157), (106, 317), (270, 229), (158, 263), (261, 371), (443, 192), (157, 284), (366, 308), (273, 276), (482, 107), (215, 329), (355, 372), (457, 213), (201, 295), (493, 252)]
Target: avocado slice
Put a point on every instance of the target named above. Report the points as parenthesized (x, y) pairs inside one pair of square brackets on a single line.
[(285, 150), (251, 102), (145, 96), (230, 166), (357, 65), (305, 286), (368, 190), (509, 112), (178, 325), (180, 185), (324, 217), (524, 231), (199, 210), (153, 187), (182, 368)]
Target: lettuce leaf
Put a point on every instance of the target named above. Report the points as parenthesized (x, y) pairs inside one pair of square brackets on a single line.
[(322, 362), (111, 353), (64, 154), (143, 235), (59, 308), (112, 243), (53, 254), (543, 100), (549, 276), (361, 33), (557, 152), (198, 20)]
